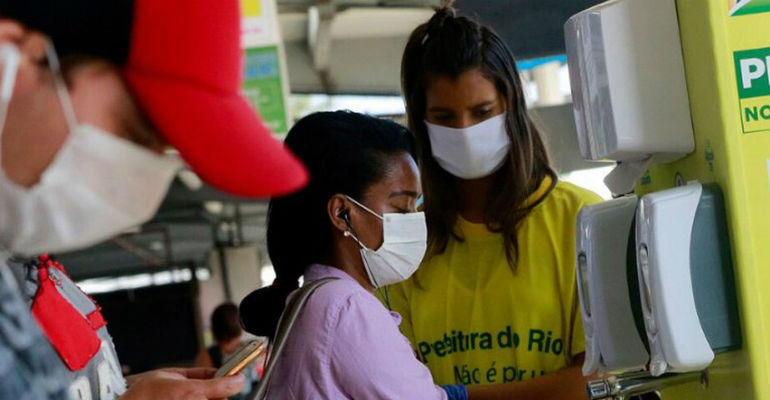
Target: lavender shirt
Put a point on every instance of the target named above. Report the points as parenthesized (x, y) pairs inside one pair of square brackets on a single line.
[(346, 345)]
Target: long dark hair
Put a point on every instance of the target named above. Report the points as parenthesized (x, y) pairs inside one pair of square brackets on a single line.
[(447, 46), (345, 153)]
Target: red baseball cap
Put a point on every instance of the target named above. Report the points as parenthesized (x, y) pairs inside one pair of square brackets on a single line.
[(182, 59)]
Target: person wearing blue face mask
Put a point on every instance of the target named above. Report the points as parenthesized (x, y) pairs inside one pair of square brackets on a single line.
[(495, 299)]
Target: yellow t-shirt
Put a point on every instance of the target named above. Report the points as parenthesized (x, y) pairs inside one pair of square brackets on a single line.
[(476, 321)]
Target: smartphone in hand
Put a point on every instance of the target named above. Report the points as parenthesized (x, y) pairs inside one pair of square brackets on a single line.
[(244, 356)]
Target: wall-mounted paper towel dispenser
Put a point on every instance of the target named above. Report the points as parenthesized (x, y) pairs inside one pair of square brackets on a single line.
[(629, 91)]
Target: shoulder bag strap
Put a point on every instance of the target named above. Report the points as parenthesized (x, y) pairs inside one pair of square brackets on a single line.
[(285, 324)]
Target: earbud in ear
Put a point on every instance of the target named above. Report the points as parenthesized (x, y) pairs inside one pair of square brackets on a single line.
[(345, 214), (346, 233)]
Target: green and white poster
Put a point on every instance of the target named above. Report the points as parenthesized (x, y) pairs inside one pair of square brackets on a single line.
[(263, 86), (748, 7), (752, 70)]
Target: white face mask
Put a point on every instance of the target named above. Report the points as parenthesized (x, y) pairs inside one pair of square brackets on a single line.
[(404, 241), (97, 186), (473, 152)]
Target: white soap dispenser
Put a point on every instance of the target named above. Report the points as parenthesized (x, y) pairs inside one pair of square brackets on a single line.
[(664, 228), (607, 287)]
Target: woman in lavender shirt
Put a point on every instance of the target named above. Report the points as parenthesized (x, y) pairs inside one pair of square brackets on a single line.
[(346, 344)]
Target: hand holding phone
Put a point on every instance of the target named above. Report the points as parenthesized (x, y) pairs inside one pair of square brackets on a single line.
[(242, 358)]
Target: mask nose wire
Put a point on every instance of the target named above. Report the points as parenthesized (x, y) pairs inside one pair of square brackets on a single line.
[(61, 86)]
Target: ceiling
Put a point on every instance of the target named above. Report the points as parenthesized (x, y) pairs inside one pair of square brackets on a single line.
[(366, 38), (191, 222), (531, 28)]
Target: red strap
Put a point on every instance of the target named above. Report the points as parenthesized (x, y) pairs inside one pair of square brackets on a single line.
[(70, 333), (46, 260), (96, 320)]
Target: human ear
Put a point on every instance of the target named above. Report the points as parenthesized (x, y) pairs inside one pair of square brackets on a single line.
[(339, 212)]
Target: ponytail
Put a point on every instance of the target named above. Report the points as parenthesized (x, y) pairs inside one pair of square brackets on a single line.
[(261, 310)]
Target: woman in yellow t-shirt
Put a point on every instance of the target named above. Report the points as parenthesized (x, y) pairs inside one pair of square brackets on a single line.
[(495, 300)]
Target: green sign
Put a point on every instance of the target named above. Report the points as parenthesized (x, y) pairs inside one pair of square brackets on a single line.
[(263, 86), (752, 71), (748, 7)]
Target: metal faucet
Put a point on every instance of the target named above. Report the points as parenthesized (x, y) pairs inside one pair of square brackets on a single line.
[(620, 387)]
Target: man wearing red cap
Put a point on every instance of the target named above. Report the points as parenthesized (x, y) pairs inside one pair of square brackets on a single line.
[(85, 132)]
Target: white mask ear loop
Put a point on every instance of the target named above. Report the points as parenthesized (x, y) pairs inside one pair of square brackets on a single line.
[(61, 86), (11, 57), (364, 207), (353, 236)]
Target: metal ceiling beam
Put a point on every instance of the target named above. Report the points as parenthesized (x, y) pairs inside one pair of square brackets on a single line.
[(319, 38), (285, 6), (148, 256)]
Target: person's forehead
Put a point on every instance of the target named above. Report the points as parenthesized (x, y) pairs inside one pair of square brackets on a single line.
[(471, 87), (401, 174)]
